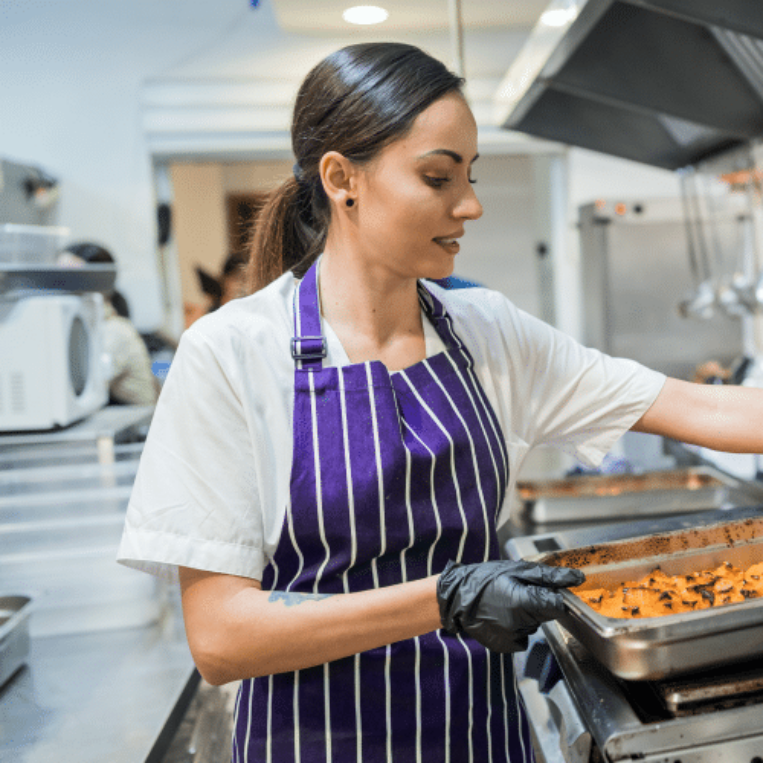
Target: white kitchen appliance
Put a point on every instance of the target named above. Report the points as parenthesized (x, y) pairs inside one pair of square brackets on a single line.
[(52, 367)]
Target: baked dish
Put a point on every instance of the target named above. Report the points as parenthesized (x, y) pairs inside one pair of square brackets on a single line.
[(659, 594)]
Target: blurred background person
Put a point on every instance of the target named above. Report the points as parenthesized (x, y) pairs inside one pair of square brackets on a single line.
[(131, 381)]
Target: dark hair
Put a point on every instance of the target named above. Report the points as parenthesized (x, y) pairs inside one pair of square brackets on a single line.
[(91, 253), (96, 254), (356, 101)]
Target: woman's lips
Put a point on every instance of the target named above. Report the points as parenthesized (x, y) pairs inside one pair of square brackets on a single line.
[(450, 245)]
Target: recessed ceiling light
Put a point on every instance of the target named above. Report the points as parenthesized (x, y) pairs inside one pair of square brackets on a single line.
[(558, 16), (365, 14)]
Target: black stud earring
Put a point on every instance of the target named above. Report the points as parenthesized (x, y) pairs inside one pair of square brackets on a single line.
[(350, 202)]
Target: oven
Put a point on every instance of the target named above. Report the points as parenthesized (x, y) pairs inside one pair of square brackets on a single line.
[(688, 691)]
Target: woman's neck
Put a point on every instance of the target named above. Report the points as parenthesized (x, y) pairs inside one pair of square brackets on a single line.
[(375, 313)]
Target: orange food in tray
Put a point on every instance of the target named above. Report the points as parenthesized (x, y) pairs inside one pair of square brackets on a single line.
[(660, 594)]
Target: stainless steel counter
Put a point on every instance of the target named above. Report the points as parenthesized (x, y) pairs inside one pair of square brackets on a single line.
[(101, 697), (109, 674)]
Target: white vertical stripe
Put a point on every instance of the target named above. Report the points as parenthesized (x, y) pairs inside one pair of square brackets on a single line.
[(319, 574), (446, 674), (318, 485), (379, 476), (248, 734), (295, 545), (520, 713), (475, 465), (417, 672), (471, 697), (327, 708), (358, 722), (506, 722), (388, 700), (486, 403), (236, 713), (488, 669), (433, 498), (409, 509), (481, 412), (348, 472), (295, 713), (456, 484), (268, 741)]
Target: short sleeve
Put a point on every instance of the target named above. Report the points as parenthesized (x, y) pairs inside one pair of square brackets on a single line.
[(579, 399), (195, 500)]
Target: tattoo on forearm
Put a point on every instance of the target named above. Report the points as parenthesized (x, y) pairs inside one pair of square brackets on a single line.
[(291, 598)]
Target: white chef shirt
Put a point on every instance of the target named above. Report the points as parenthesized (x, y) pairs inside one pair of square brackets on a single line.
[(213, 481)]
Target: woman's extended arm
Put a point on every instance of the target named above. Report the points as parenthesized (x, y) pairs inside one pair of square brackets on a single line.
[(721, 417), (236, 630)]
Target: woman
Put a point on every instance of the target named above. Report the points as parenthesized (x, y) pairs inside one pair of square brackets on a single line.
[(330, 457)]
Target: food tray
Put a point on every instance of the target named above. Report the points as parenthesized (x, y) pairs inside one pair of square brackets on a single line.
[(602, 496), (652, 648), (14, 634)]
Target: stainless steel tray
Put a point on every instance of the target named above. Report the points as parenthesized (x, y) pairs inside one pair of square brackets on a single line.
[(14, 634), (603, 496), (656, 647)]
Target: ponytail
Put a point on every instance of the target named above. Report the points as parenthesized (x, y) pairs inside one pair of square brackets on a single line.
[(289, 234)]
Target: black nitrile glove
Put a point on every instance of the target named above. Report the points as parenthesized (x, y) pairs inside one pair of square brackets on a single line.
[(501, 603)]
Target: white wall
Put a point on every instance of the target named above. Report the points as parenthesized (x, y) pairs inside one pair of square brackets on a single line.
[(74, 73), (71, 75)]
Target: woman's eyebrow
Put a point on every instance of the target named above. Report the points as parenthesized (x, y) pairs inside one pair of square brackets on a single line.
[(447, 152)]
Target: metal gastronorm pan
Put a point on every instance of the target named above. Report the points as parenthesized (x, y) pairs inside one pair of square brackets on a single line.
[(656, 647), (603, 496), (14, 634)]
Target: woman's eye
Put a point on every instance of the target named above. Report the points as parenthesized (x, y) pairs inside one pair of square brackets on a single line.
[(436, 182), (472, 180)]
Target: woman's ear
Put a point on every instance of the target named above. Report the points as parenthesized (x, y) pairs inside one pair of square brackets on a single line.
[(339, 178)]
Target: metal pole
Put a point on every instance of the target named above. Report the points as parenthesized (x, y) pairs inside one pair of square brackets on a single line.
[(456, 36)]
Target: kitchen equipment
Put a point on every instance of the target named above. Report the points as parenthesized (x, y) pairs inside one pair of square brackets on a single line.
[(581, 712), (53, 371), (665, 82), (657, 647), (585, 498), (14, 634), (621, 241)]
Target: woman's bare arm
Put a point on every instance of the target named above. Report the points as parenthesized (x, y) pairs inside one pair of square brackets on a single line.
[(236, 630), (721, 417)]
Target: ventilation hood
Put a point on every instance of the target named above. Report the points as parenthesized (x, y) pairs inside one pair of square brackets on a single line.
[(669, 83)]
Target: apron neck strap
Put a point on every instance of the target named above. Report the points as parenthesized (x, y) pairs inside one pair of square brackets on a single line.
[(308, 346), (442, 322)]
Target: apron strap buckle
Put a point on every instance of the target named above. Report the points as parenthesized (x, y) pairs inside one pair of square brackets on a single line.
[(310, 348)]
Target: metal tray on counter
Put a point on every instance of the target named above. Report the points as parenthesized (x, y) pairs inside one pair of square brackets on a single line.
[(14, 634), (603, 496), (652, 648)]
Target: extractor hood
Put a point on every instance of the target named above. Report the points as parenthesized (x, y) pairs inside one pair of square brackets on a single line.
[(669, 83)]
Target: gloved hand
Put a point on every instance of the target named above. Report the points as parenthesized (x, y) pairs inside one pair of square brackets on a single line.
[(501, 603)]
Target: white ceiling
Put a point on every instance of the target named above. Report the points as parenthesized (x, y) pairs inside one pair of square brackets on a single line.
[(325, 16)]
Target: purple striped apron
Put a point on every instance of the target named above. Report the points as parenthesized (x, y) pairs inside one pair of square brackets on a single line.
[(392, 475)]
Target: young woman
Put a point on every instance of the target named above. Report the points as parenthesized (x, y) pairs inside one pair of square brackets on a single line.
[(331, 456)]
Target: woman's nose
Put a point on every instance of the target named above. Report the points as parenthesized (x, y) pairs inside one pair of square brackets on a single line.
[(469, 207)]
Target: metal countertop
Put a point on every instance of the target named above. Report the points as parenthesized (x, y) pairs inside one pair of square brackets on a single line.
[(102, 697), (105, 681)]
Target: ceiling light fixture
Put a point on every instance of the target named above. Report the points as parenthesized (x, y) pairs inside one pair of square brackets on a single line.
[(558, 16), (365, 14)]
